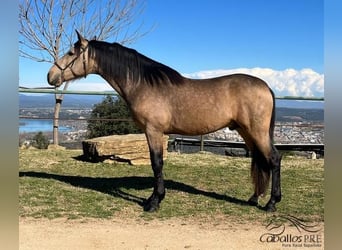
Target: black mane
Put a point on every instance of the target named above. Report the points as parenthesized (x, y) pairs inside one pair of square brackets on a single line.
[(118, 60)]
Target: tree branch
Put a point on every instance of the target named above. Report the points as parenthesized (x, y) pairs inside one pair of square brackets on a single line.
[(46, 27)]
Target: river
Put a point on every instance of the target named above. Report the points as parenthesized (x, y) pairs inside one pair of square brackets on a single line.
[(34, 125)]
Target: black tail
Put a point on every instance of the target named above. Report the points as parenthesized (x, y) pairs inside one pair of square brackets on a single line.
[(260, 172), (261, 168), (272, 122)]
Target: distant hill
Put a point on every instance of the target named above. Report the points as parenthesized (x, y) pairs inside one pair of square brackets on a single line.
[(287, 110), (293, 110), (35, 101), (296, 104), (299, 114), (48, 101)]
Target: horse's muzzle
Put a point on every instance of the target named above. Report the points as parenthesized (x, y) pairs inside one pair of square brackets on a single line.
[(54, 79)]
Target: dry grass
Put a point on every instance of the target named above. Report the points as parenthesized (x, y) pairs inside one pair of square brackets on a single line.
[(199, 186)]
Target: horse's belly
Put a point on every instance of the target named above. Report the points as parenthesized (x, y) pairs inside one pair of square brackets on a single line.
[(198, 125)]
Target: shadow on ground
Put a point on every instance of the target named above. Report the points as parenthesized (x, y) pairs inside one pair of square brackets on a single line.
[(114, 186)]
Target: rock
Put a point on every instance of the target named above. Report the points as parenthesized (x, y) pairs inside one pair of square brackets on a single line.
[(131, 148)]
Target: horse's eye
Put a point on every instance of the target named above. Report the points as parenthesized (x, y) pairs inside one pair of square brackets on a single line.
[(71, 51)]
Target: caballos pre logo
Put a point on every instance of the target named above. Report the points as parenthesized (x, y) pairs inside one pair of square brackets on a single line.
[(305, 235)]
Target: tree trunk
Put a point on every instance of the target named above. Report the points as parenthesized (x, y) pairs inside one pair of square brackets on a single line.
[(59, 99), (58, 104)]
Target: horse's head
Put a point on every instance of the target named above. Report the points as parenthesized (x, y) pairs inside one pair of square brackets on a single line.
[(72, 65)]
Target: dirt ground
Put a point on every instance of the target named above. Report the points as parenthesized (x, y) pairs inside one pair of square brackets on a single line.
[(129, 234)]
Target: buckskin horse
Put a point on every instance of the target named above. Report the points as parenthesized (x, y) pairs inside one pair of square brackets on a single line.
[(162, 101)]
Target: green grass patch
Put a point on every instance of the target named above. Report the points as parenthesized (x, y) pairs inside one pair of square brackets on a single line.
[(199, 186)]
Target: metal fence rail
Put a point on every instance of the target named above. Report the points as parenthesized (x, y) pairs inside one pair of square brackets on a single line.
[(49, 90), (178, 142), (52, 90)]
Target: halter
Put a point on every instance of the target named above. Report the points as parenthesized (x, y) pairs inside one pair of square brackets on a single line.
[(70, 64)]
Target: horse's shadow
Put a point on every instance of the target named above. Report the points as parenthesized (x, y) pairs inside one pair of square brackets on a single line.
[(113, 186)]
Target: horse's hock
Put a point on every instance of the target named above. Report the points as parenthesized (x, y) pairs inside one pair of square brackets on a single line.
[(131, 148)]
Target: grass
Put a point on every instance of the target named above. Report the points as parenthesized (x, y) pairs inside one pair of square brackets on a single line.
[(200, 186)]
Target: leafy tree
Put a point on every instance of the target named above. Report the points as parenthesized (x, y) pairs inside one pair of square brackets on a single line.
[(115, 109), (40, 141)]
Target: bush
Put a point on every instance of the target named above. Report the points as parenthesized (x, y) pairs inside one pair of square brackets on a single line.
[(40, 141), (111, 108)]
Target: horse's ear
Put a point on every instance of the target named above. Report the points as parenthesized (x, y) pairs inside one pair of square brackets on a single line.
[(81, 39)]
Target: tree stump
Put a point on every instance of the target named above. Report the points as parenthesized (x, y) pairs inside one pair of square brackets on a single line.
[(131, 148)]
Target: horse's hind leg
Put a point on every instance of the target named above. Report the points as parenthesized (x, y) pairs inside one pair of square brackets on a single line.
[(266, 163), (260, 172), (155, 143), (274, 162), (257, 161)]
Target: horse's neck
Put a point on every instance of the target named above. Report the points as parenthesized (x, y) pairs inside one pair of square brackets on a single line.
[(122, 86)]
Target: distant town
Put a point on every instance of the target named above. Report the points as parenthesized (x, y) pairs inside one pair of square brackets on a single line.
[(285, 133)]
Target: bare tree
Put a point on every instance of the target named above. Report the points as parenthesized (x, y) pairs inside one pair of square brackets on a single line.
[(46, 28)]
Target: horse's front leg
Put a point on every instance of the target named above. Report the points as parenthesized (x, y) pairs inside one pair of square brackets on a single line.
[(155, 143)]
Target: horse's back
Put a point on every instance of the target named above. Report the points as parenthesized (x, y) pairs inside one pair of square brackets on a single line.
[(206, 105)]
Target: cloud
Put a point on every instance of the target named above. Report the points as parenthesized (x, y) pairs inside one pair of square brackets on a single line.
[(288, 82)]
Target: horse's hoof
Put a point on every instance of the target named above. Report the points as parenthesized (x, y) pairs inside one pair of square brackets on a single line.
[(271, 208), (151, 207)]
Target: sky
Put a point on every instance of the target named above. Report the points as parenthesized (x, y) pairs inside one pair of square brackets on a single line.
[(278, 41)]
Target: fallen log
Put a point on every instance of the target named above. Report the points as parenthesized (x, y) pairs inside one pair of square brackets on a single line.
[(131, 148)]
